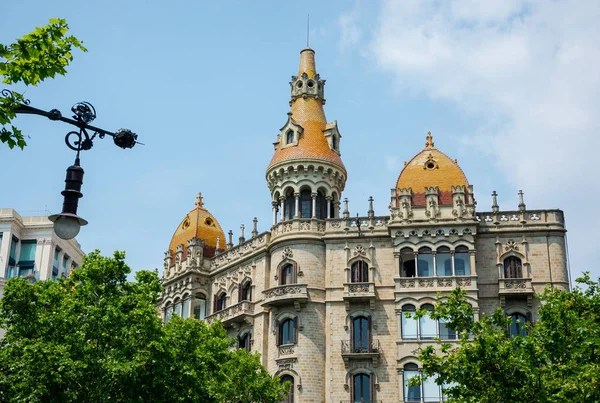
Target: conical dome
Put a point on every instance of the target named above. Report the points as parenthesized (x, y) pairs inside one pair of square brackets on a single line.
[(198, 223), (431, 168), (307, 112)]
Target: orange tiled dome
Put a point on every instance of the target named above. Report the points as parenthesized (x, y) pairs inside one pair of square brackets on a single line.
[(431, 168), (201, 224), (309, 114)]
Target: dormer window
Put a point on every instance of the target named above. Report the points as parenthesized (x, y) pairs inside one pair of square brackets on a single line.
[(289, 137), (334, 142)]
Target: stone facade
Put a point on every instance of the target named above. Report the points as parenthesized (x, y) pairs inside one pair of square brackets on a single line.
[(331, 274)]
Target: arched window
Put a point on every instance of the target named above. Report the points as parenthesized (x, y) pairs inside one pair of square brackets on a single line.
[(185, 308), (517, 325), (361, 388), (427, 325), (289, 204), (168, 313), (287, 275), (359, 272), (443, 261), (305, 204), (289, 137), (513, 267), (287, 332), (290, 396), (407, 263), (321, 206), (462, 265), (178, 307), (246, 291), (200, 307), (244, 341), (409, 325), (361, 335), (425, 262), (220, 302), (334, 142), (411, 393)]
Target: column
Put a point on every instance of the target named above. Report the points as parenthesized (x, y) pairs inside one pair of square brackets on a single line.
[(4, 251), (282, 208), (329, 200), (296, 205), (274, 204), (314, 205), (452, 260)]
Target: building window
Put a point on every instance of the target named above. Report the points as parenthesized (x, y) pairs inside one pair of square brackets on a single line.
[(462, 266), (427, 325), (244, 341), (289, 137), (289, 206), (200, 307), (443, 261), (287, 275), (55, 270), (427, 391), (27, 257), (411, 393), (246, 291), (185, 307), (287, 332), (305, 204), (513, 267), (359, 272), (290, 396), (409, 325), (334, 142), (168, 313), (361, 335), (407, 263), (220, 302), (361, 388), (12, 262), (425, 262), (321, 206), (177, 308), (517, 325), (445, 332), (65, 270)]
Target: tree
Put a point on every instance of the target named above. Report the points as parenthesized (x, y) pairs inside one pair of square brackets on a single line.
[(558, 360), (39, 55), (95, 337)]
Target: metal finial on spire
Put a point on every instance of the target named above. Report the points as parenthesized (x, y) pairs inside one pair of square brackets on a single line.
[(429, 142), (495, 207), (307, 30), (199, 202), (522, 206)]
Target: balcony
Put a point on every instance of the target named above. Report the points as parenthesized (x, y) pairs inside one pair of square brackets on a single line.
[(359, 292), (515, 287), (295, 294), (358, 351), (234, 314), (428, 284)]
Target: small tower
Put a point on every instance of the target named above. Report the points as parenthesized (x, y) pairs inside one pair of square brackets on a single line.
[(306, 175)]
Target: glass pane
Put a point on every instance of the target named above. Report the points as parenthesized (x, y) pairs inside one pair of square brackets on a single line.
[(305, 204), (185, 311), (27, 251), (409, 327), (13, 248), (200, 308), (431, 390), (445, 332), (425, 265), (178, 307), (462, 266), (428, 328), (411, 393), (443, 264)]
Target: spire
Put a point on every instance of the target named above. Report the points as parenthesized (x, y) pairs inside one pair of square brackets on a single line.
[(307, 63), (429, 141), (199, 202)]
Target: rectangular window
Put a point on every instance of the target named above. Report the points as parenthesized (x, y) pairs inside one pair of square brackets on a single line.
[(65, 267), (27, 257), (199, 308), (55, 263), (431, 390), (409, 327), (445, 332), (427, 327), (411, 393), (185, 311)]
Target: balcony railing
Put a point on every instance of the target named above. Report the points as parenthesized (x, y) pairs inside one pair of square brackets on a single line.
[(357, 292), (515, 287), (412, 284), (356, 350), (233, 313), (295, 294)]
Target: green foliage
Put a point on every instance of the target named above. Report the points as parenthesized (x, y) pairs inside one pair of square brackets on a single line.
[(37, 56), (95, 337), (558, 360)]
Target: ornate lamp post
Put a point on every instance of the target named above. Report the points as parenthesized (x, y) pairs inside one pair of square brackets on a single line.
[(67, 224)]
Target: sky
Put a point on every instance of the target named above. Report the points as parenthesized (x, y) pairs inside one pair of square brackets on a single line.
[(511, 88)]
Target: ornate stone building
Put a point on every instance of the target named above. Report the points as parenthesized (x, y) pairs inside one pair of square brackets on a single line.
[(321, 295)]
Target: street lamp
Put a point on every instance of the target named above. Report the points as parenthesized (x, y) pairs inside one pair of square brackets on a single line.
[(67, 224)]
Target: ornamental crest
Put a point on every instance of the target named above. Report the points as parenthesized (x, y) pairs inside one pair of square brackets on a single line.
[(359, 251), (287, 253), (511, 245)]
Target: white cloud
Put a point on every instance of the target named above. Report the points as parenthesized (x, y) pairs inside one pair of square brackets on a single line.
[(531, 67), (350, 32)]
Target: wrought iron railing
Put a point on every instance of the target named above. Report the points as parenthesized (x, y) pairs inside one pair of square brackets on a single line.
[(358, 347)]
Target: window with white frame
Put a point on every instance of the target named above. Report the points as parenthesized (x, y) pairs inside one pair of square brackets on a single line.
[(427, 391), (27, 257), (425, 262), (200, 307), (462, 265), (443, 261), (425, 327), (446, 262), (12, 262)]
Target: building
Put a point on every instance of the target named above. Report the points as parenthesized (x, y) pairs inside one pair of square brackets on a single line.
[(321, 295), (30, 248)]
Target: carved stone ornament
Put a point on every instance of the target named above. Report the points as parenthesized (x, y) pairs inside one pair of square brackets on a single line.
[(287, 253), (286, 363), (511, 245), (359, 251), (358, 288)]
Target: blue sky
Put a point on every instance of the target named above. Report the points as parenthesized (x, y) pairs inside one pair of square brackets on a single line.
[(510, 88)]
